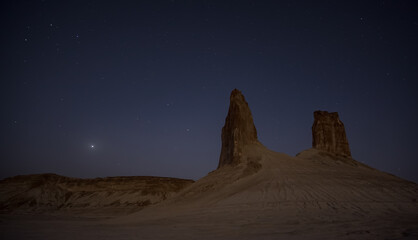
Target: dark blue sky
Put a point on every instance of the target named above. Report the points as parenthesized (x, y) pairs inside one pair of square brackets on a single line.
[(148, 82)]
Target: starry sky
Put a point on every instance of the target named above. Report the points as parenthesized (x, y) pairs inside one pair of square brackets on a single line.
[(108, 88)]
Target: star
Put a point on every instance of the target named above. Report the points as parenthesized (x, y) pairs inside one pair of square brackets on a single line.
[(92, 146)]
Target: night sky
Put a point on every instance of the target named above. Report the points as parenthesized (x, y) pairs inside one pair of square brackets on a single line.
[(108, 88)]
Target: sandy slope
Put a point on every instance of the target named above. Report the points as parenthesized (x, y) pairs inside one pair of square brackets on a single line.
[(312, 178), (313, 195)]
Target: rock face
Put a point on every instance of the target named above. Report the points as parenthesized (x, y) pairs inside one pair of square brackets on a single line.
[(238, 131), (328, 134)]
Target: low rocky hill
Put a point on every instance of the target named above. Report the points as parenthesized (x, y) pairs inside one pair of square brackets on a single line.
[(50, 192)]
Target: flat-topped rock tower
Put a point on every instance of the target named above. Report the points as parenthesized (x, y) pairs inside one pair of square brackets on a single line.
[(328, 134)]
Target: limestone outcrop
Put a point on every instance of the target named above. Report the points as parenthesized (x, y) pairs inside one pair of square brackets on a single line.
[(328, 134), (239, 130)]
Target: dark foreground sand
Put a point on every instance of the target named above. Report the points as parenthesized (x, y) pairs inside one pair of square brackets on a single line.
[(217, 223)]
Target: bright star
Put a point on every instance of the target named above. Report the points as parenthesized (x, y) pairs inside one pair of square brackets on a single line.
[(91, 146)]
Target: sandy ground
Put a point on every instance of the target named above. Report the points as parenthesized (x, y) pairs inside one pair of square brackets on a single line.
[(207, 224)]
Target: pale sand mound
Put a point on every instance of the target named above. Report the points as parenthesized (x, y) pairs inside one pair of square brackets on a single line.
[(269, 194)]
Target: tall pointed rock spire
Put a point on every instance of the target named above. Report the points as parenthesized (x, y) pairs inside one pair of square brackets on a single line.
[(238, 131)]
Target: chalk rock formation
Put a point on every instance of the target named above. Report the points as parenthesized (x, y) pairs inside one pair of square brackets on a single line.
[(328, 134), (238, 131)]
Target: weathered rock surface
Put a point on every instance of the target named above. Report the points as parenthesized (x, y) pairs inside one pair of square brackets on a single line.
[(328, 134), (238, 131)]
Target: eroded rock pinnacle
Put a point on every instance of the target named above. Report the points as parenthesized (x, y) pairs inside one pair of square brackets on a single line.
[(238, 131)]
